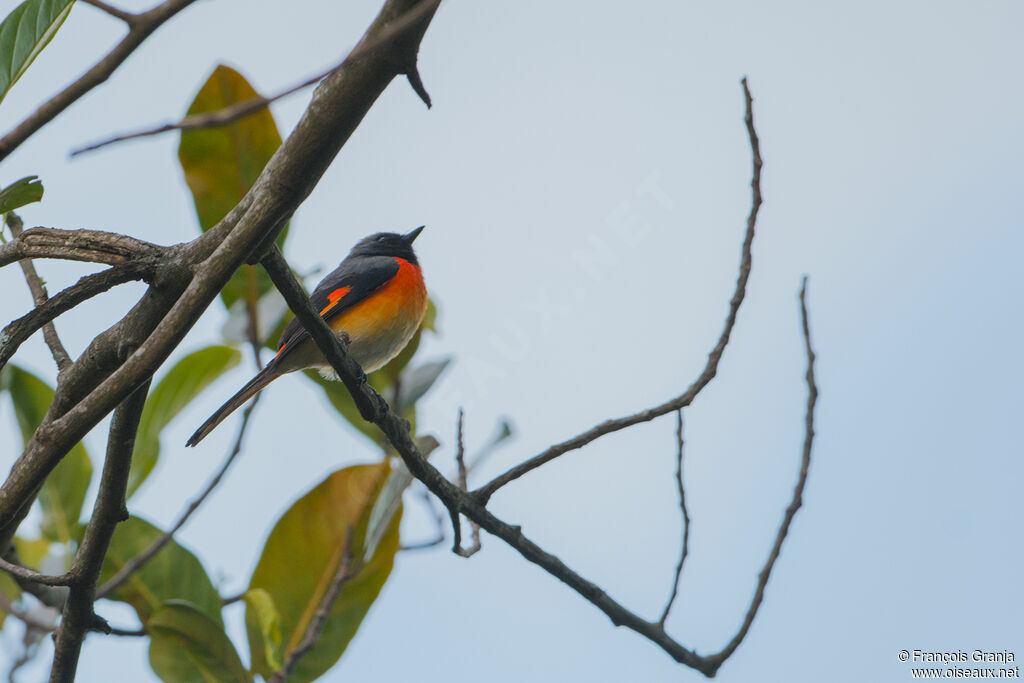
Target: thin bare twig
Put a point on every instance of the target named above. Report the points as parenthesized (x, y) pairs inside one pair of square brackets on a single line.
[(347, 569), (484, 493), (137, 562), (686, 517), (16, 332), (141, 27), (460, 461), (36, 584), (26, 574), (797, 501), (39, 297), (232, 599), (213, 119), (127, 17), (126, 632), (240, 110)]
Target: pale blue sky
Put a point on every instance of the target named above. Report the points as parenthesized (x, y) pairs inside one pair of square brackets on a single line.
[(892, 140)]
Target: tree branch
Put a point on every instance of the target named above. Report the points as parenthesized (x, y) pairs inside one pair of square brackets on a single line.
[(93, 246), (240, 110), (484, 493), (127, 17), (137, 562), (396, 430), (15, 333), (140, 27), (191, 275), (686, 518), (26, 574), (212, 119), (293, 292), (109, 509), (796, 502), (460, 462), (39, 296)]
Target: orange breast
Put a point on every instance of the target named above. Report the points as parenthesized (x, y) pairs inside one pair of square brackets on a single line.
[(380, 326)]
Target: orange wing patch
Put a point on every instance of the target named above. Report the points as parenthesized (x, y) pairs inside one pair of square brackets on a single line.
[(334, 297)]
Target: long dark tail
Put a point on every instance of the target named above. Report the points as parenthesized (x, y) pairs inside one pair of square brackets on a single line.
[(265, 377)]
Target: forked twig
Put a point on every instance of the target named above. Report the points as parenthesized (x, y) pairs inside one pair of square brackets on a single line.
[(484, 493)]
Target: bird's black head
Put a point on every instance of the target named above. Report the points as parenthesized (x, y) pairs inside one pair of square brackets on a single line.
[(388, 244)]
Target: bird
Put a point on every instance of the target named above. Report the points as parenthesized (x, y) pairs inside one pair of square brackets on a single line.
[(376, 296)]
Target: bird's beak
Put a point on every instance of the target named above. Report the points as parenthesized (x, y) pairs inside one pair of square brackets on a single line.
[(413, 235)]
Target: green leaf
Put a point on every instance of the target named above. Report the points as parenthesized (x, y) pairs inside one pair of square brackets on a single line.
[(31, 553), (187, 646), (182, 383), (10, 590), (24, 34), (63, 492), (20, 193), (264, 626), (222, 163), (301, 557), (174, 573)]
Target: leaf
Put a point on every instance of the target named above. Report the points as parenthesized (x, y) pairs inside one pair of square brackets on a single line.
[(187, 646), (174, 573), (10, 590), (301, 557), (32, 553), (221, 164), (25, 191), (182, 383), (417, 382), (390, 499), (264, 626), (24, 34), (64, 491)]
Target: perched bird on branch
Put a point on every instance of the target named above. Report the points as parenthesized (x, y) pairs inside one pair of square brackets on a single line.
[(376, 296)]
